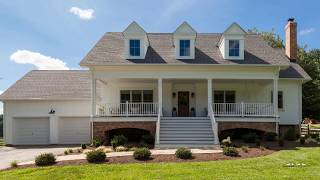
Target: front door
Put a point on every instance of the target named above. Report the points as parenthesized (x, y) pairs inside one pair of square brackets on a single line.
[(183, 103)]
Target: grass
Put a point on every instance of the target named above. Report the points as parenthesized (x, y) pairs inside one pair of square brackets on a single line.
[(268, 167), (1, 142)]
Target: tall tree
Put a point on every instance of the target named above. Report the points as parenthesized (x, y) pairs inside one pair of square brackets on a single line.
[(310, 62)]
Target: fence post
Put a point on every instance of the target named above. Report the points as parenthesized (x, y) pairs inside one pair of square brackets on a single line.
[(127, 108)]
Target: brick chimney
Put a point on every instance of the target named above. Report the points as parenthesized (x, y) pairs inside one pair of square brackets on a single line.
[(291, 39)]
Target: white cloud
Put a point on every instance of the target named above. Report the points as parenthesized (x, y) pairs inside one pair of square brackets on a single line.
[(176, 6), (306, 31), (42, 62), (85, 14)]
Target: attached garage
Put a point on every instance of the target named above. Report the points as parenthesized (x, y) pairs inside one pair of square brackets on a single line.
[(31, 131), (74, 130)]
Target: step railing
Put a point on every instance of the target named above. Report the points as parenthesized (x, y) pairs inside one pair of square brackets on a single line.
[(244, 109), (214, 125), (127, 109), (157, 138)]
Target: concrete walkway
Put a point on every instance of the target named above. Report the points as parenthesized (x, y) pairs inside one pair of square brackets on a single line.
[(127, 153)]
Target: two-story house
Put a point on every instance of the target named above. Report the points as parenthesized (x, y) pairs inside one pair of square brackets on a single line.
[(183, 87)]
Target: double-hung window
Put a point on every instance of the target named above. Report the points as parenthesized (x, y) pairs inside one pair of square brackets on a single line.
[(224, 96), (280, 99), (184, 48), (136, 96), (134, 47), (234, 48)]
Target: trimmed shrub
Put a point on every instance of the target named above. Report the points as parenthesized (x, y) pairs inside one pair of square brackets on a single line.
[(45, 159), (226, 142), (258, 142), (14, 164), (230, 151), (250, 137), (118, 141), (147, 138), (270, 136), (183, 153), (96, 156), (314, 136), (97, 142), (79, 150), (70, 150), (66, 152), (142, 154), (83, 146), (302, 140), (290, 134), (121, 149), (281, 142), (245, 149)]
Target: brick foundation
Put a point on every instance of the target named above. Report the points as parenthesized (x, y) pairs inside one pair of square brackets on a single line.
[(100, 128), (261, 126), (284, 128)]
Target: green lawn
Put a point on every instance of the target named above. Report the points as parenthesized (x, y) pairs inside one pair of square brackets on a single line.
[(269, 167), (1, 142)]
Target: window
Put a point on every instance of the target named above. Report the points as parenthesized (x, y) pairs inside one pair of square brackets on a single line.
[(234, 48), (224, 96), (134, 47), (136, 96), (184, 47), (280, 99)]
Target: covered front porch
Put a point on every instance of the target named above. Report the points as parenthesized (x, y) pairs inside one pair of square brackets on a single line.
[(237, 98)]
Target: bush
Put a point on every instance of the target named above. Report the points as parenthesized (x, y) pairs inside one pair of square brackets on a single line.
[(70, 150), (142, 154), (183, 153), (83, 146), (250, 137), (302, 140), (226, 142), (270, 136), (79, 150), (97, 142), (290, 134), (281, 142), (121, 149), (45, 159), (258, 142), (118, 141), (66, 152), (14, 164), (314, 136), (262, 148), (96, 156), (245, 149), (149, 139), (230, 151)]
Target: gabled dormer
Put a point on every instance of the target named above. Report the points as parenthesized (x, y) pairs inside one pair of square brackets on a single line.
[(135, 41), (184, 41), (231, 43)]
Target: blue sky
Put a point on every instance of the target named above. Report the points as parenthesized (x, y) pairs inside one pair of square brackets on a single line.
[(58, 33)]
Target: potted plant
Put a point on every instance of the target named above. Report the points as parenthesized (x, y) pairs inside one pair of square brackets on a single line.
[(174, 112)]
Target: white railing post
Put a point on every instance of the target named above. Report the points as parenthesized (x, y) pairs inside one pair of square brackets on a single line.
[(209, 96), (242, 109), (127, 108)]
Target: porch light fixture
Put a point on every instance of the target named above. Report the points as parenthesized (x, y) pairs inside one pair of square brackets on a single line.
[(192, 94), (174, 95), (52, 111)]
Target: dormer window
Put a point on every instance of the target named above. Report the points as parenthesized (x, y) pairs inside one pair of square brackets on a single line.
[(134, 46), (234, 48), (184, 47)]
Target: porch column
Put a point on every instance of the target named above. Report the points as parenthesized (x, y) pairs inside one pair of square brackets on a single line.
[(275, 102), (160, 95), (209, 94), (93, 101)]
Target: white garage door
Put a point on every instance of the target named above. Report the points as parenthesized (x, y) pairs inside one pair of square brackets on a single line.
[(74, 130), (31, 131)]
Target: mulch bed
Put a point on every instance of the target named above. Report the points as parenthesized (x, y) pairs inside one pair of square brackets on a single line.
[(253, 152)]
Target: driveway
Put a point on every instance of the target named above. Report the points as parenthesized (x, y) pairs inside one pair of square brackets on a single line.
[(26, 153)]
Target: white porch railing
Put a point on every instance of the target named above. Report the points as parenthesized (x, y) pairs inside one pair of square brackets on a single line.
[(127, 109), (243, 109)]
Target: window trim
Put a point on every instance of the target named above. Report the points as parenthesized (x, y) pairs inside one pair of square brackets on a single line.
[(229, 48)]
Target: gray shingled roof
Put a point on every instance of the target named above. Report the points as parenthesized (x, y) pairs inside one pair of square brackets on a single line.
[(110, 50), (53, 84), (295, 71)]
